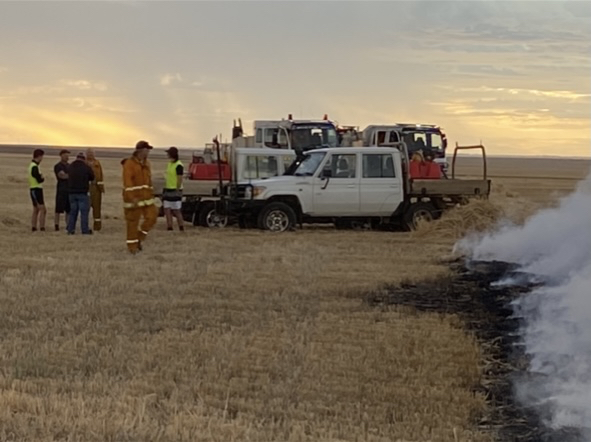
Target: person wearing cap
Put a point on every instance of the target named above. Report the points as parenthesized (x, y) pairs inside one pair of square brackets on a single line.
[(172, 194), (97, 188), (62, 200), (138, 196), (36, 191), (80, 176)]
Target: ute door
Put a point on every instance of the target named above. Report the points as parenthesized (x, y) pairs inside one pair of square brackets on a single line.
[(380, 189), (336, 186)]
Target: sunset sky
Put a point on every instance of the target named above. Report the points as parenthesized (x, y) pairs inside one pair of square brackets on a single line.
[(516, 75)]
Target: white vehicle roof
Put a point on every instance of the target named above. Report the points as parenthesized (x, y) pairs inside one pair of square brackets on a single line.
[(265, 151), (352, 150), (400, 126)]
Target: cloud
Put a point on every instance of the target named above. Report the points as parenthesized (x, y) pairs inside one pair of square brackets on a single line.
[(168, 79), (99, 104), (484, 70), (58, 126), (85, 85), (558, 94), (3, 69)]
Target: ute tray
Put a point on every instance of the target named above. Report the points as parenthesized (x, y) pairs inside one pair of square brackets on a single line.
[(451, 187)]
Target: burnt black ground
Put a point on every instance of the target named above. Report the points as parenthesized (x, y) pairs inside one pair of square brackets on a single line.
[(486, 311)]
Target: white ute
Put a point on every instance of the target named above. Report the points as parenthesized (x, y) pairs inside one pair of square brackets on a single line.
[(353, 187)]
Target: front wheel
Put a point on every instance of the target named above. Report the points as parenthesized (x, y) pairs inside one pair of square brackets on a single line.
[(418, 212), (209, 216), (277, 217)]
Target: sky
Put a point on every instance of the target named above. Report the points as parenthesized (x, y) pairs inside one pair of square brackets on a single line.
[(514, 75)]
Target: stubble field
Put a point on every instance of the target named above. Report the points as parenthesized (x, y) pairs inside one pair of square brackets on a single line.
[(228, 335)]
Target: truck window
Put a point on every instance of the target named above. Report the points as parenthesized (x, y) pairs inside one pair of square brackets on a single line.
[(393, 137), (342, 166), (259, 136), (309, 164), (378, 166), (275, 138), (435, 141), (381, 138), (260, 167)]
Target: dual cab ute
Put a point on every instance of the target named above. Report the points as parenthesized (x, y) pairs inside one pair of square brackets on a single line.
[(352, 187)]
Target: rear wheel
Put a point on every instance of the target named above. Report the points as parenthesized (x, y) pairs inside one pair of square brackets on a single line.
[(417, 213), (277, 217), (209, 216)]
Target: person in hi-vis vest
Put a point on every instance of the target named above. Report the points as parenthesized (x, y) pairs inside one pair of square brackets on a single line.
[(36, 191), (172, 194)]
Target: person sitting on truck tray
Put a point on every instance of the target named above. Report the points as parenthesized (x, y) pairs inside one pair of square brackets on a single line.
[(431, 169), (416, 165)]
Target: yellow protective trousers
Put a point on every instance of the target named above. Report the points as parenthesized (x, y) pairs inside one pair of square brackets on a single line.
[(137, 233), (96, 199)]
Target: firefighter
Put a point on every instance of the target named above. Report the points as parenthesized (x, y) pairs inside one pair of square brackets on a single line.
[(97, 188), (138, 196), (36, 191)]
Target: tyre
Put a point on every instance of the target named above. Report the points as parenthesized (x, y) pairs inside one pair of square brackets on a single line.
[(419, 212), (357, 224), (277, 217), (210, 217)]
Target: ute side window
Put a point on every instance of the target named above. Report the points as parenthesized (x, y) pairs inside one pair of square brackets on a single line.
[(378, 166), (260, 167), (259, 136), (393, 137), (342, 166)]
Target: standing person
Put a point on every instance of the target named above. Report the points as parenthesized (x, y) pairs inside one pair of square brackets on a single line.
[(172, 194), (138, 196), (79, 177), (62, 201), (97, 188), (36, 191)]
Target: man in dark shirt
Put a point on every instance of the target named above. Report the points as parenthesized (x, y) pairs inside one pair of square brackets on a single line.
[(62, 199), (36, 191), (80, 175)]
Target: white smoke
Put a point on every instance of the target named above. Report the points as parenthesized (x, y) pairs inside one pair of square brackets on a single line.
[(555, 247)]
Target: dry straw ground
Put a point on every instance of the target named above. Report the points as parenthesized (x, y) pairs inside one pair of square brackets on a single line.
[(221, 335)]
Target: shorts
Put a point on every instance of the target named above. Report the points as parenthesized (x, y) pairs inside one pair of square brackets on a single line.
[(62, 202), (173, 205), (37, 197)]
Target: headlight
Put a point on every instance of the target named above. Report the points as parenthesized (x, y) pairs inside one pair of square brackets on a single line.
[(258, 190)]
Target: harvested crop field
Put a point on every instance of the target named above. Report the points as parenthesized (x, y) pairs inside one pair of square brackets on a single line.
[(231, 335)]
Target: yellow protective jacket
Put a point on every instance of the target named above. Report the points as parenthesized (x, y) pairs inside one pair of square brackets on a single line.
[(97, 168), (137, 183)]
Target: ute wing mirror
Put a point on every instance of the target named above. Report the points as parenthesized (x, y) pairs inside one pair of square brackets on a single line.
[(325, 176)]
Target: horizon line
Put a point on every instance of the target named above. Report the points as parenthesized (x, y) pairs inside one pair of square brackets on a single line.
[(83, 147)]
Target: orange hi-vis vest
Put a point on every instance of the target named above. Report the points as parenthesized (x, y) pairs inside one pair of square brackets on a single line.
[(137, 183)]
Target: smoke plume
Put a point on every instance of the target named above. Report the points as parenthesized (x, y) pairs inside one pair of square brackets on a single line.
[(554, 246)]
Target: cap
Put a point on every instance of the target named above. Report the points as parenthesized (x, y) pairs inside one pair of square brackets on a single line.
[(63, 151), (81, 156), (143, 145), (172, 150)]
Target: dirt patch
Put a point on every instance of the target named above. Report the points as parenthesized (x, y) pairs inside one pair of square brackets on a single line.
[(15, 180), (9, 221), (485, 309)]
